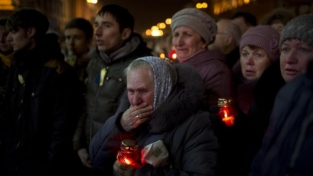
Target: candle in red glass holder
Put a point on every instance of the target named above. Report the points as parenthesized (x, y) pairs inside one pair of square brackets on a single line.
[(226, 111), (128, 153)]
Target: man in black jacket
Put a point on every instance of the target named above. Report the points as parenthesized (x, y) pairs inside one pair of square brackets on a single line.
[(6, 54), (44, 96)]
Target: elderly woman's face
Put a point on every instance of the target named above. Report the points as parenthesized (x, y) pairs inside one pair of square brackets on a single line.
[(253, 62), (140, 86), (187, 42), (294, 58)]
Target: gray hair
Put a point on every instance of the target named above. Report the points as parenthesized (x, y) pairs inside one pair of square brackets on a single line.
[(232, 29), (138, 64)]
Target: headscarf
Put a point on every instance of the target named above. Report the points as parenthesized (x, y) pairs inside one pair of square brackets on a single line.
[(165, 77)]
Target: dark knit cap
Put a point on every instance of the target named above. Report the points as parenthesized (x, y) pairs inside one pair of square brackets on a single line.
[(197, 20), (300, 27), (262, 36)]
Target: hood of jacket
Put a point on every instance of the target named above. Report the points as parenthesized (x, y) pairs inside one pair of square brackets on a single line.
[(185, 100)]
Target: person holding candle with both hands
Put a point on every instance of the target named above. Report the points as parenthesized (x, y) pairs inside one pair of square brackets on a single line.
[(162, 113)]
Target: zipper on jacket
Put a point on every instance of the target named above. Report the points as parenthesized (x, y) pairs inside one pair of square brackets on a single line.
[(103, 73)]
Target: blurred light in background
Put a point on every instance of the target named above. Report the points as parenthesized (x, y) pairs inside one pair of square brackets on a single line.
[(148, 32), (157, 33), (203, 5), (161, 25), (168, 21), (92, 1), (154, 28), (172, 54), (162, 55), (6, 5), (225, 5)]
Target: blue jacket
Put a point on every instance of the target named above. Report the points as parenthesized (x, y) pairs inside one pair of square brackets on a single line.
[(287, 146)]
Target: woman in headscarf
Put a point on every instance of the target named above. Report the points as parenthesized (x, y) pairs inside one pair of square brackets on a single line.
[(160, 110)]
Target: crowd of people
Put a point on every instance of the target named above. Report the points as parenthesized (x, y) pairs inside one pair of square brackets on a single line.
[(116, 108)]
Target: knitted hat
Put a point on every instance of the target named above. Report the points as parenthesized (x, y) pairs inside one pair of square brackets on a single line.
[(198, 21), (300, 27), (262, 36)]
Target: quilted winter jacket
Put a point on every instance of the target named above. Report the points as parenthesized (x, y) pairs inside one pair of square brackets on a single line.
[(105, 85)]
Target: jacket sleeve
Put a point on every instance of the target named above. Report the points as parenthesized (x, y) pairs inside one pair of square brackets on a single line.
[(106, 143), (199, 153), (79, 139)]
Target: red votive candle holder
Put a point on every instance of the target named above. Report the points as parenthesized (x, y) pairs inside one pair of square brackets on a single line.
[(128, 153), (226, 111)]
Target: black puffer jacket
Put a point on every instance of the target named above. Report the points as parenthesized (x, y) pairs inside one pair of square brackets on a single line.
[(185, 130), (44, 98)]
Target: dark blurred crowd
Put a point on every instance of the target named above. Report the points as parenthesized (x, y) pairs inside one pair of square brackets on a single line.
[(233, 97)]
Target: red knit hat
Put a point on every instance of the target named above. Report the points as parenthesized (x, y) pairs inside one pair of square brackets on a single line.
[(262, 36)]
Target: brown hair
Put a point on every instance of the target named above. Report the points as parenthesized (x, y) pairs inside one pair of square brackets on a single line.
[(280, 14)]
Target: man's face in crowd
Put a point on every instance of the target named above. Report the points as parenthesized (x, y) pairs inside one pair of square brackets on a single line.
[(21, 39), (108, 35), (240, 21), (76, 40), (5, 46), (222, 37)]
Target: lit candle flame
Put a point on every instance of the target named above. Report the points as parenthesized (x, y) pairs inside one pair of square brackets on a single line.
[(225, 113), (127, 161)]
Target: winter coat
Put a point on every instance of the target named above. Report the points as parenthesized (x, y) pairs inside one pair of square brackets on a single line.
[(81, 62), (287, 145), (44, 97), (217, 77), (185, 130), (260, 110), (245, 96), (5, 63), (105, 85), (232, 57)]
